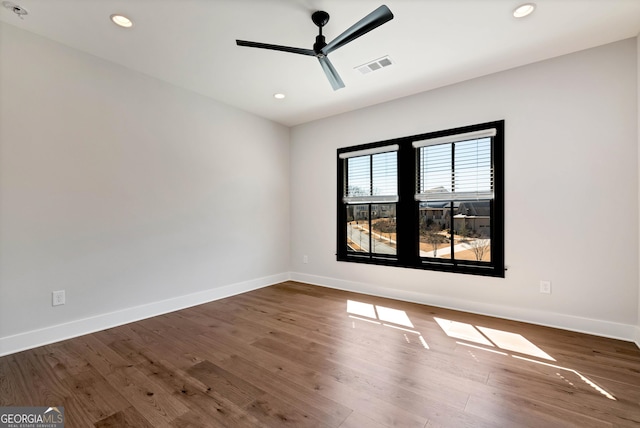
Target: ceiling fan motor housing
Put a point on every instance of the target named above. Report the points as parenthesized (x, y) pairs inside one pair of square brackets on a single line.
[(319, 44)]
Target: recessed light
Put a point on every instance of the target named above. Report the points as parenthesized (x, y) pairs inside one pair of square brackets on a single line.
[(121, 20), (524, 10), (279, 96)]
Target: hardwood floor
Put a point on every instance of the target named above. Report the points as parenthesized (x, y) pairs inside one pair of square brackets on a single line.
[(299, 355)]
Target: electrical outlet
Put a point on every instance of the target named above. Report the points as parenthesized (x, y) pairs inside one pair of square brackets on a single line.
[(57, 298), (545, 287), (305, 259)]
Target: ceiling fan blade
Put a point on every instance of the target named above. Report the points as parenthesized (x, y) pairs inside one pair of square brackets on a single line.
[(276, 47), (332, 74), (366, 24)]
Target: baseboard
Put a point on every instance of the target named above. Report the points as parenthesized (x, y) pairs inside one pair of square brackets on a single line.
[(550, 319), (56, 333)]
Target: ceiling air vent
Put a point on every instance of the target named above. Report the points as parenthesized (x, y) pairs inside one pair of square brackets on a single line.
[(374, 65)]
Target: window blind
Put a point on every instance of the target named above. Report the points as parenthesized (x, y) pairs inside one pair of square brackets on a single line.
[(459, 170), (491, 132), (371, 176), (356, 153)]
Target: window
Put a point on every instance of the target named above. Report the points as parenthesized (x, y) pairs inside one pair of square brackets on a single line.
[(431, 201), (370, 197)]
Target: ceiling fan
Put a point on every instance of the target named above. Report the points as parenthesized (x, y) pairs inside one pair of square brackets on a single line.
[(321, 49)]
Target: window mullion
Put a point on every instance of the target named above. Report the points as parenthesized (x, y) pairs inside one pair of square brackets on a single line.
[(407, 241)]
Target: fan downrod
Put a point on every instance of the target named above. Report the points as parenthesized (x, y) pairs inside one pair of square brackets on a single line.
[(320, 18)]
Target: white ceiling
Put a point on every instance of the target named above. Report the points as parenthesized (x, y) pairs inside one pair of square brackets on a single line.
[(191, 43)]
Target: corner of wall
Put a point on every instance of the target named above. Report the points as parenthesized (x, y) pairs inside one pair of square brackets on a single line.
[(637, 334)]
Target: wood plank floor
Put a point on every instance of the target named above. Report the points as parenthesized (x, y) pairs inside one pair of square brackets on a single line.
[(304, 356)]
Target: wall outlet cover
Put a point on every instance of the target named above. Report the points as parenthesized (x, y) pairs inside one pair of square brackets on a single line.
[(58, 298), (545, 287)]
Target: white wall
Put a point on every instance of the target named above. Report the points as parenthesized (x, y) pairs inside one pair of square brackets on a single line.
[(571, 150), (128, 193)]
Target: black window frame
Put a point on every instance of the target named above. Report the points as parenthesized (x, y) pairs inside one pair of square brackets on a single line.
[(407, 207)]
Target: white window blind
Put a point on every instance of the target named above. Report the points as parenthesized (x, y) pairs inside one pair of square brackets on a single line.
[(371, 176), (458, 170), (491, 132), (356, 153)]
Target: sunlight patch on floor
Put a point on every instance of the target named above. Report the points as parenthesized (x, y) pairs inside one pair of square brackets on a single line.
[(394, 316), (514, 342), (387, 317), (486, 339), (462, 330), (507, 341), (362, 309)]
